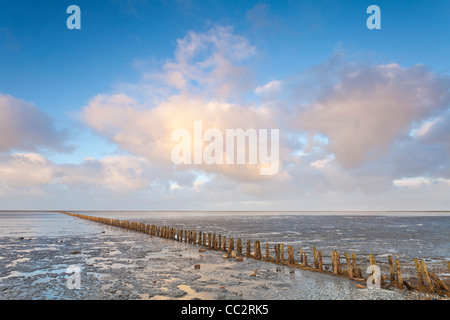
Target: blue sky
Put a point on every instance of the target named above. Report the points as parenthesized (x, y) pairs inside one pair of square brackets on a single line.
[(121, 43)]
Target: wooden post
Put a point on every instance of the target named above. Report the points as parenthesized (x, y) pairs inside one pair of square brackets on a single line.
[(316, 260), (267, 251), (277, 253), (349, 265), (239, 245), (399, 274), (391, 269), (356, 270), (338, 260), (224, 243), (204, 240), (219, 243), (291, 255), (419, 272), (372, 260), (439, 282), (305, 259), (200, 238), (257, 249), (334, 262), (426, 276), (194, 236), (320, 260), (301, 255), (209, 240), (282, 252), (230, 245), (249, 254)]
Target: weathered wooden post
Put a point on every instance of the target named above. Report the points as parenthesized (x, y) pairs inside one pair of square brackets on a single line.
[(391, 269), (267, 252), (419, 272), (291, 255), (372, 260), (349, 265), (249, 253), (320, 260), (426, 276), (282, 252), (277, 253), (230, 245), (316, 259), (257, 249), (338, 262), (439, 282), (194, 235), (239, 245), (224, 243), (301, 255), (399, 274), (209, 240), (334, 262), (356, 270)]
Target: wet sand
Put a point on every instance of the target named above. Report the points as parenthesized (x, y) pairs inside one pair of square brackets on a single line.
[(126, 265)]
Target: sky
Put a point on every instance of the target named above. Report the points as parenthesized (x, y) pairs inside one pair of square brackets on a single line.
[(87, 115)]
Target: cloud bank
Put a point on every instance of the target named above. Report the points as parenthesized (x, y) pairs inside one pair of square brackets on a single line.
[(352, 135)]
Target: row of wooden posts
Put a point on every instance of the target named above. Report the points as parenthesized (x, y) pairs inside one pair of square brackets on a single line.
[(428, 281)]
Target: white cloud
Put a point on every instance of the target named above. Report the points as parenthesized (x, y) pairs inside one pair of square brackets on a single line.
[(25, 127), (270, 91), (25, 170), (363, 113)]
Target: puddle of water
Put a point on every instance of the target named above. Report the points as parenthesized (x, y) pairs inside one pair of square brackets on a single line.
[(190, 294)]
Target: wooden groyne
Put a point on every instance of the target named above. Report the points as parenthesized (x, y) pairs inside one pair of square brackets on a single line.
[(344, 266)]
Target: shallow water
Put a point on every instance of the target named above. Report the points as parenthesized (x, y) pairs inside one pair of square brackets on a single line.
[(403, 235), (36, 249)]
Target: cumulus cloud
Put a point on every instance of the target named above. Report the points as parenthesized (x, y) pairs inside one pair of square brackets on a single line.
[(207, 71), (369, 108), (210, 63), (112, 173), (25, 127), (25, 170)]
